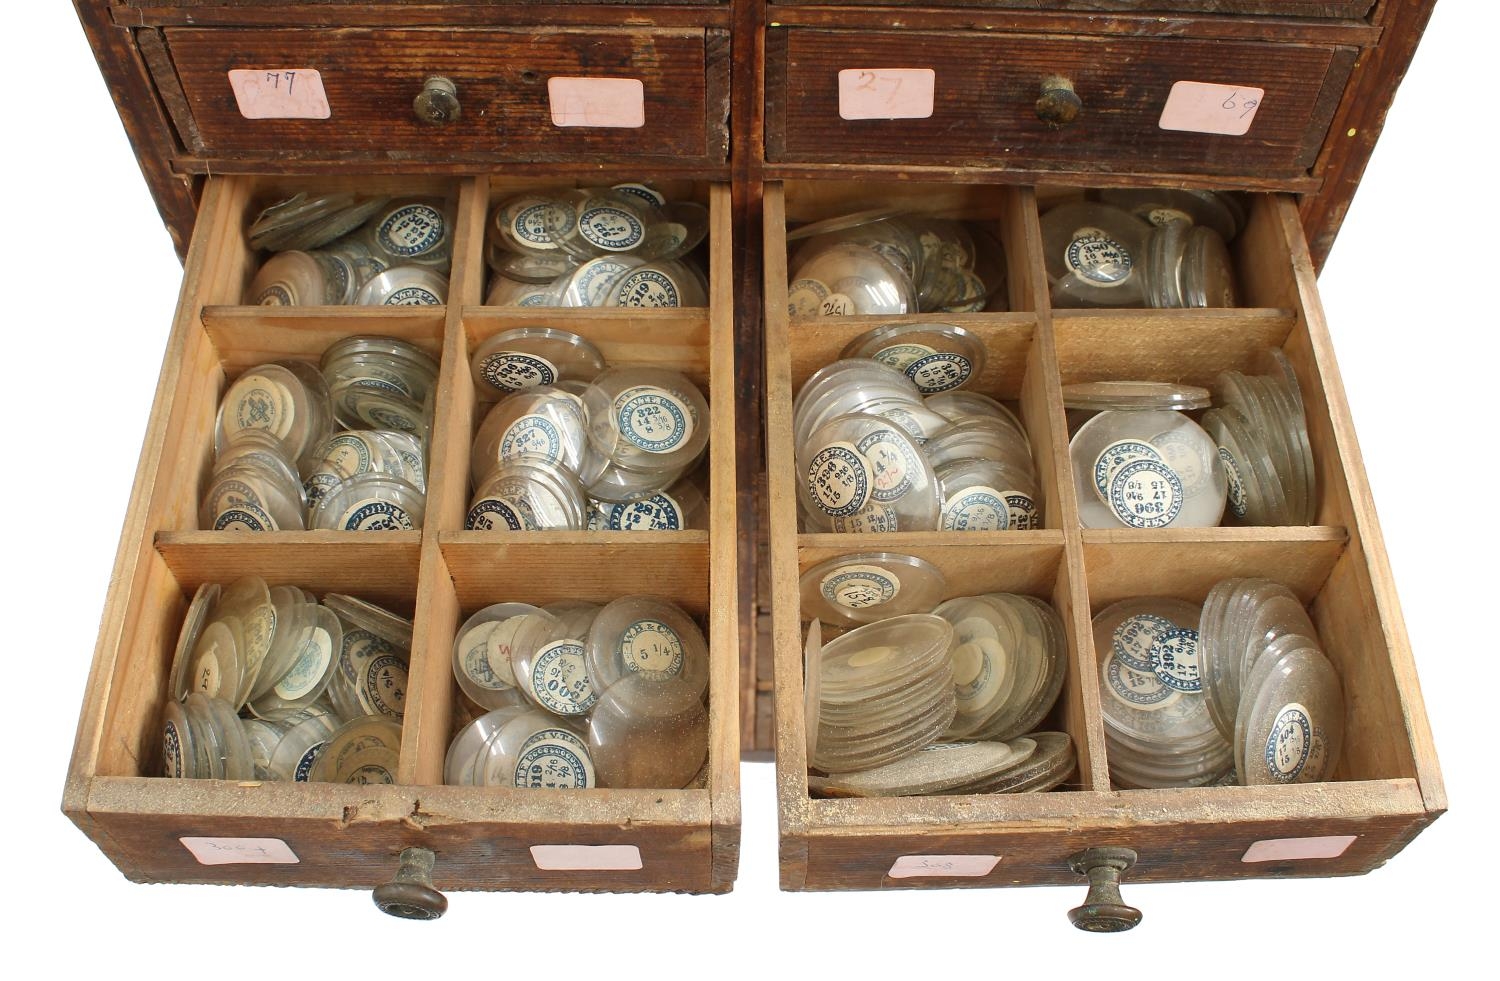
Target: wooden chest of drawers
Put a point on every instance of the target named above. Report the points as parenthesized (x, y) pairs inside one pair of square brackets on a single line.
[(744, 95)]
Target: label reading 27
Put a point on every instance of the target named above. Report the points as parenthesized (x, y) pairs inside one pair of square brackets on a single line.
[(886, 93), (279, 93)]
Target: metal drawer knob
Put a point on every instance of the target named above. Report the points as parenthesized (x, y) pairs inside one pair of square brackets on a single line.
[(437, 103), (1059, 105), (1103, 911), (410, 894)]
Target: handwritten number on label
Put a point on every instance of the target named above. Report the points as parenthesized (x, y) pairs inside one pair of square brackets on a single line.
[(873, 82), (275, 79), (1248, 105)]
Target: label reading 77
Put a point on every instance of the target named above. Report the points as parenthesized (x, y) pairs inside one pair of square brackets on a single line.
[(886, 93), (279, 93)]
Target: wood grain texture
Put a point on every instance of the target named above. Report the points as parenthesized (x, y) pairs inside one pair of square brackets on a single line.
[(372, 76), (1327, 9), (984, 110)]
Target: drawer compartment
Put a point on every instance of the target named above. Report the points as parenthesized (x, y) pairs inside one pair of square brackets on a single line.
[(351, 836), (503, 79), (1277, 8), (1387, 786), (986, 87)]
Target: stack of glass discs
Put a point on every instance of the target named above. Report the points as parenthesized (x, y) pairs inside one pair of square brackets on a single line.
[(569, 447), (1026, 764), (338, 249), (1270, 689), (297, 669), (1101, 255), (1009, 660), (885, 691), (849, 590), (621, 246), (936, 357), (881, 262), (287, 400), (873, 455), (1157, 727), (1147, 469), (582, 696), (1261, 430)]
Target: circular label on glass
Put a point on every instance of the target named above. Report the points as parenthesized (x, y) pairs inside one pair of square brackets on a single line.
[(533, 225), (171, 750), (304, 765), (552, 764), (1145, 494), (839, 479), (1138, 689), (976, 509), (651, 648), (873, 518), (1185, 451), (647, 288), (532, 435), (1238, 504), (376, 515), (412, 296), (891, 464), (1174, 659), (1022, 511), (243, 517), (560, 679), (939, 372), (1134, 637), (385, 685), (611, 229), (261, 403), (477, 665), (858, 587), (411, 230), (973, 667), (348, 456), (497, 514), (498, 650), (1289, 743), (309, 668), (805, 298), (659, 512), (1098, 259), (275, 295), (513, 371), (653, 419), (1116, 455), (368, 773), (898, 356)]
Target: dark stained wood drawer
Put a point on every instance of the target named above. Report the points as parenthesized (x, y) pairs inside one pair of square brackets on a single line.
[(986, 86), (503, 79), (1277, 8)]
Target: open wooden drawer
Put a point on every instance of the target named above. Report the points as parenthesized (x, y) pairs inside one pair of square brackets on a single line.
[(1387, 787), (685, 840)]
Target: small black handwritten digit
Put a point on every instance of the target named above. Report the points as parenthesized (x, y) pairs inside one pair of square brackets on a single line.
[(866, 81), (1229, 103), (291, 77), (1250, 105), (274, 78)]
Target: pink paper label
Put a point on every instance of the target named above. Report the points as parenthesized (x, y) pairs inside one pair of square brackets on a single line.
[(586, 858), (966, 866), (240, 851), (279, 93), (1206, 107), (1294, 849), (618, 103), (886, 93)]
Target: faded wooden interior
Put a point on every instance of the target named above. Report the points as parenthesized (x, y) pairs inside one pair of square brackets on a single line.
[(1386, 787), (688, 838)]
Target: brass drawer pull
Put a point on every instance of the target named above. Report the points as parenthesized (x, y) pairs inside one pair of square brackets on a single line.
[(410, 894), (1103, 911), (1058, 105), (437, 103)]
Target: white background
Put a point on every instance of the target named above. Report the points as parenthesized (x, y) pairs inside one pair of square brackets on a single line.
[(90, 279)]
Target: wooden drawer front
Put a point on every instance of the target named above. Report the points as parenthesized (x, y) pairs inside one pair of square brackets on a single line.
[(1343, 9), (687, 839), (986, 88), (372, 76), (1386, 787)]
